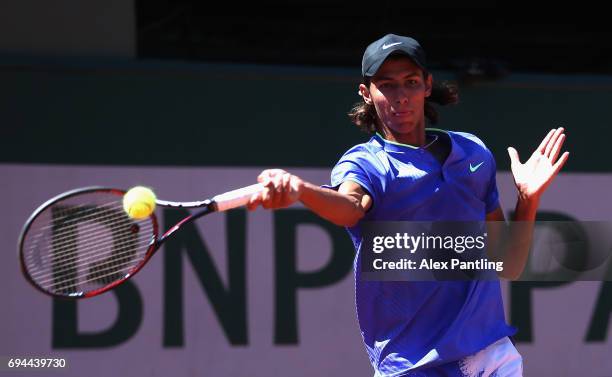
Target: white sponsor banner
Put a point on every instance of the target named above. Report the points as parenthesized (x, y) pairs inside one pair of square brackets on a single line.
[(328, 339)]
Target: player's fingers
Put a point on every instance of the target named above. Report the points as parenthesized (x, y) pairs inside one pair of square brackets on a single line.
[(277, 183), (554, 153), (266, 197), (276, 191), (254, 201), (264, 177), (286, 179), (267, 175), (542, 146), (514, 157), (557, 166), (276, 172), (552, 141)]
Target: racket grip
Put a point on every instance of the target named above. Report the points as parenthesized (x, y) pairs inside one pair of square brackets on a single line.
[(236, 198)]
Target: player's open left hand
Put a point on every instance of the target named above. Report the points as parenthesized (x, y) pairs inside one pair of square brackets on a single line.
[(533, 177), (281, 190)]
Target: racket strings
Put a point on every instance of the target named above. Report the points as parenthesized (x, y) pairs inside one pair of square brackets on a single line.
[(85, 243), (69, 232), (81, 215), (87, 231), (69, 229), (79, 262), (68, 255), (114, 265), (92, 239), (106, 279), (126, 255)]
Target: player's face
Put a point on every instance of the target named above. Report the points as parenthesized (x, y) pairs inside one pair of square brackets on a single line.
[(398, 92)]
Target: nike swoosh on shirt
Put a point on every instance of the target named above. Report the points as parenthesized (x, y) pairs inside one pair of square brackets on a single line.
[(386, 46), (474, 168)]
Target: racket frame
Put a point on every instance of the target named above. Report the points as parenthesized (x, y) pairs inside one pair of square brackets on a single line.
[(155, 244)]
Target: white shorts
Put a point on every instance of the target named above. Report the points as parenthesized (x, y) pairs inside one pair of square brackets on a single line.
[(500, 359)]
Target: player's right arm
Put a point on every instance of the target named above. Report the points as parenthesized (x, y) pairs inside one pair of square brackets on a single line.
[(344, 207)]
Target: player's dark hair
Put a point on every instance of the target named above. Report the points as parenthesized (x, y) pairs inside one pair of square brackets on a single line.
[(364, 115)]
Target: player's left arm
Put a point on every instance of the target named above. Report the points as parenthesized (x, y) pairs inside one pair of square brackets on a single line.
[(531, 178)]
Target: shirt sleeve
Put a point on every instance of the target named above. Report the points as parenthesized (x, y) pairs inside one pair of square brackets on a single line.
[(358, 168)]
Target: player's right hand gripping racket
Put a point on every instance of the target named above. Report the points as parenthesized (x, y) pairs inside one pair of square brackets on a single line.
[(82, 243)]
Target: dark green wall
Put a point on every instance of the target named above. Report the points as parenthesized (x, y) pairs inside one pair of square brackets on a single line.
[(161, 113)]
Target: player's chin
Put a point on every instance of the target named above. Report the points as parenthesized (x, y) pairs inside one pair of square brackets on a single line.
[(404, 127)]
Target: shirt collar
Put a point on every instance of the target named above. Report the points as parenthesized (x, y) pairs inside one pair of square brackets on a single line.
[(456, 153)]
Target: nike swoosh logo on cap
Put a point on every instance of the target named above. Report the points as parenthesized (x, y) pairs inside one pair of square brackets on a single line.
[(474, 168), (386, 46)]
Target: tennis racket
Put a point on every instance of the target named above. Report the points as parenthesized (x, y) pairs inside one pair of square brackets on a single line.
[(82, 243)]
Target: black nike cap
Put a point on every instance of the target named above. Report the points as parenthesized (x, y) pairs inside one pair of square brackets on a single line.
[(376, 53)]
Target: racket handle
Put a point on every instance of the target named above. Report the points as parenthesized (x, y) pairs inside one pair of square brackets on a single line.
[(236, 198)]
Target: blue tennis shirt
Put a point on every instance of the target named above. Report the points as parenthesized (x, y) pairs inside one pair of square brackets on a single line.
[(431, 326)]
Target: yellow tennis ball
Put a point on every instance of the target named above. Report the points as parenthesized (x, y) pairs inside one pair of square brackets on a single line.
[(139, 202)]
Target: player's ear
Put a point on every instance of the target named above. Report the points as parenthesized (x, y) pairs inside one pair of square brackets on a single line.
[(428, 84), (364, 92)]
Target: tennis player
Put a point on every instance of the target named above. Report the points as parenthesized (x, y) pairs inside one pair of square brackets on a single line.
[(406, 171)]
